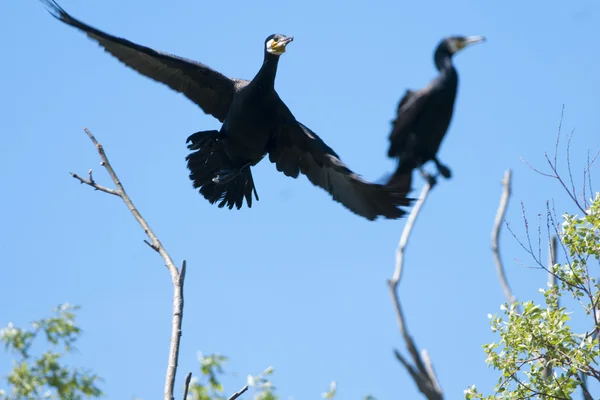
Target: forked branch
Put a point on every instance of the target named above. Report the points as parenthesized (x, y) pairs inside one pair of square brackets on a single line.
[(569, 186), (177, 276)]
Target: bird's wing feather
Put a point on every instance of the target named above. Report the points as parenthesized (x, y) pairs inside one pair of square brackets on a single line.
[(296, 149), (409, 109), (209, 89), (407, 96)]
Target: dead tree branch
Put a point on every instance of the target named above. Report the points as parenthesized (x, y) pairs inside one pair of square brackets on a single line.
[(186, 387), (91, 182), (584, 387), (569, 186), (177, 276), (238, 394), (500, 214), (422, 371), (552, 261)]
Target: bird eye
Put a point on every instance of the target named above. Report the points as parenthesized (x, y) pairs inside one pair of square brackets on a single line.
[(275, 39)]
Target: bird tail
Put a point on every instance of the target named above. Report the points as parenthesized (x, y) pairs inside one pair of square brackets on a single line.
[(210, 160), (401, 179)]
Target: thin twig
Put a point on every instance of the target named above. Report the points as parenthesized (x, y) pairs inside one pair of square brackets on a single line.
[(177, 277), (551, 282), (587, 178), (422, 372), (569, 164), (93, 184), (553, 163), (238, 394), (500, 214), (562, 114), (188, 378), (151, 245), (552, 261)]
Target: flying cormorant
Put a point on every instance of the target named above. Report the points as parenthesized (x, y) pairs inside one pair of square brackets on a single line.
[(255, 122), (424, 115)]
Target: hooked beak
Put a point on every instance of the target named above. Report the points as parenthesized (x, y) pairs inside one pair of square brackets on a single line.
[(473, 40), (284, 42), (279, 46)]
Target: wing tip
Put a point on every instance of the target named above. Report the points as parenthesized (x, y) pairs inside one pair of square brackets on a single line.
[(54, 9), (390, 199)]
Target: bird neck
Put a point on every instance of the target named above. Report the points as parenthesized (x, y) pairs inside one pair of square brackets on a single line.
[(443, 61), (266, 74)]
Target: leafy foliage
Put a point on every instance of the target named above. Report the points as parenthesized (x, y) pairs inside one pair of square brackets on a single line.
[(539, 354), (330, 394), (44, 376), (208, 386)]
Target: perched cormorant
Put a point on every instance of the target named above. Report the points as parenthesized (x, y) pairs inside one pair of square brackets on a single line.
[(424, 115), (256, 122)]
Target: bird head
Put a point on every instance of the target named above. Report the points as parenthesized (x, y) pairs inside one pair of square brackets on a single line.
[(275, 44), (455, 44)]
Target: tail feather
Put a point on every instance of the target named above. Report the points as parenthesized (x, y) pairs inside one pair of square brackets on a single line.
[(401, 179), (206, 161)]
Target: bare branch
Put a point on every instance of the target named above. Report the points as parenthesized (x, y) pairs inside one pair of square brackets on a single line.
[(562, 114), (587, 177), (551, 282), (537, 170), (151, 245), (177, 277), (552, 261), (93, 184), (422, 371), (408, 227), (584, 389), (238, 394), (569, 164), (430, 370), (553, 163), (500, 214), (178, 280), (188, 378)]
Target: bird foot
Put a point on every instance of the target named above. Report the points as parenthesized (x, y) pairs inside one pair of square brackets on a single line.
[(443, 170), (431, 179)]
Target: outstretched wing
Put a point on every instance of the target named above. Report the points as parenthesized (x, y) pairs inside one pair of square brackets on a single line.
[(296, 149), (409, 110), (209, 89)]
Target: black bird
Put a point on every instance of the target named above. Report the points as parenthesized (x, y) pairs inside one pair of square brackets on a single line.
[(423, 116), (256, 122)]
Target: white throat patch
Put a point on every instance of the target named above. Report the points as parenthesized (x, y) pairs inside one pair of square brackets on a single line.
[(273, 50)]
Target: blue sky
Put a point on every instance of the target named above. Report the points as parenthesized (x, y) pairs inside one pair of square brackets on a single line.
[(297, 282)]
